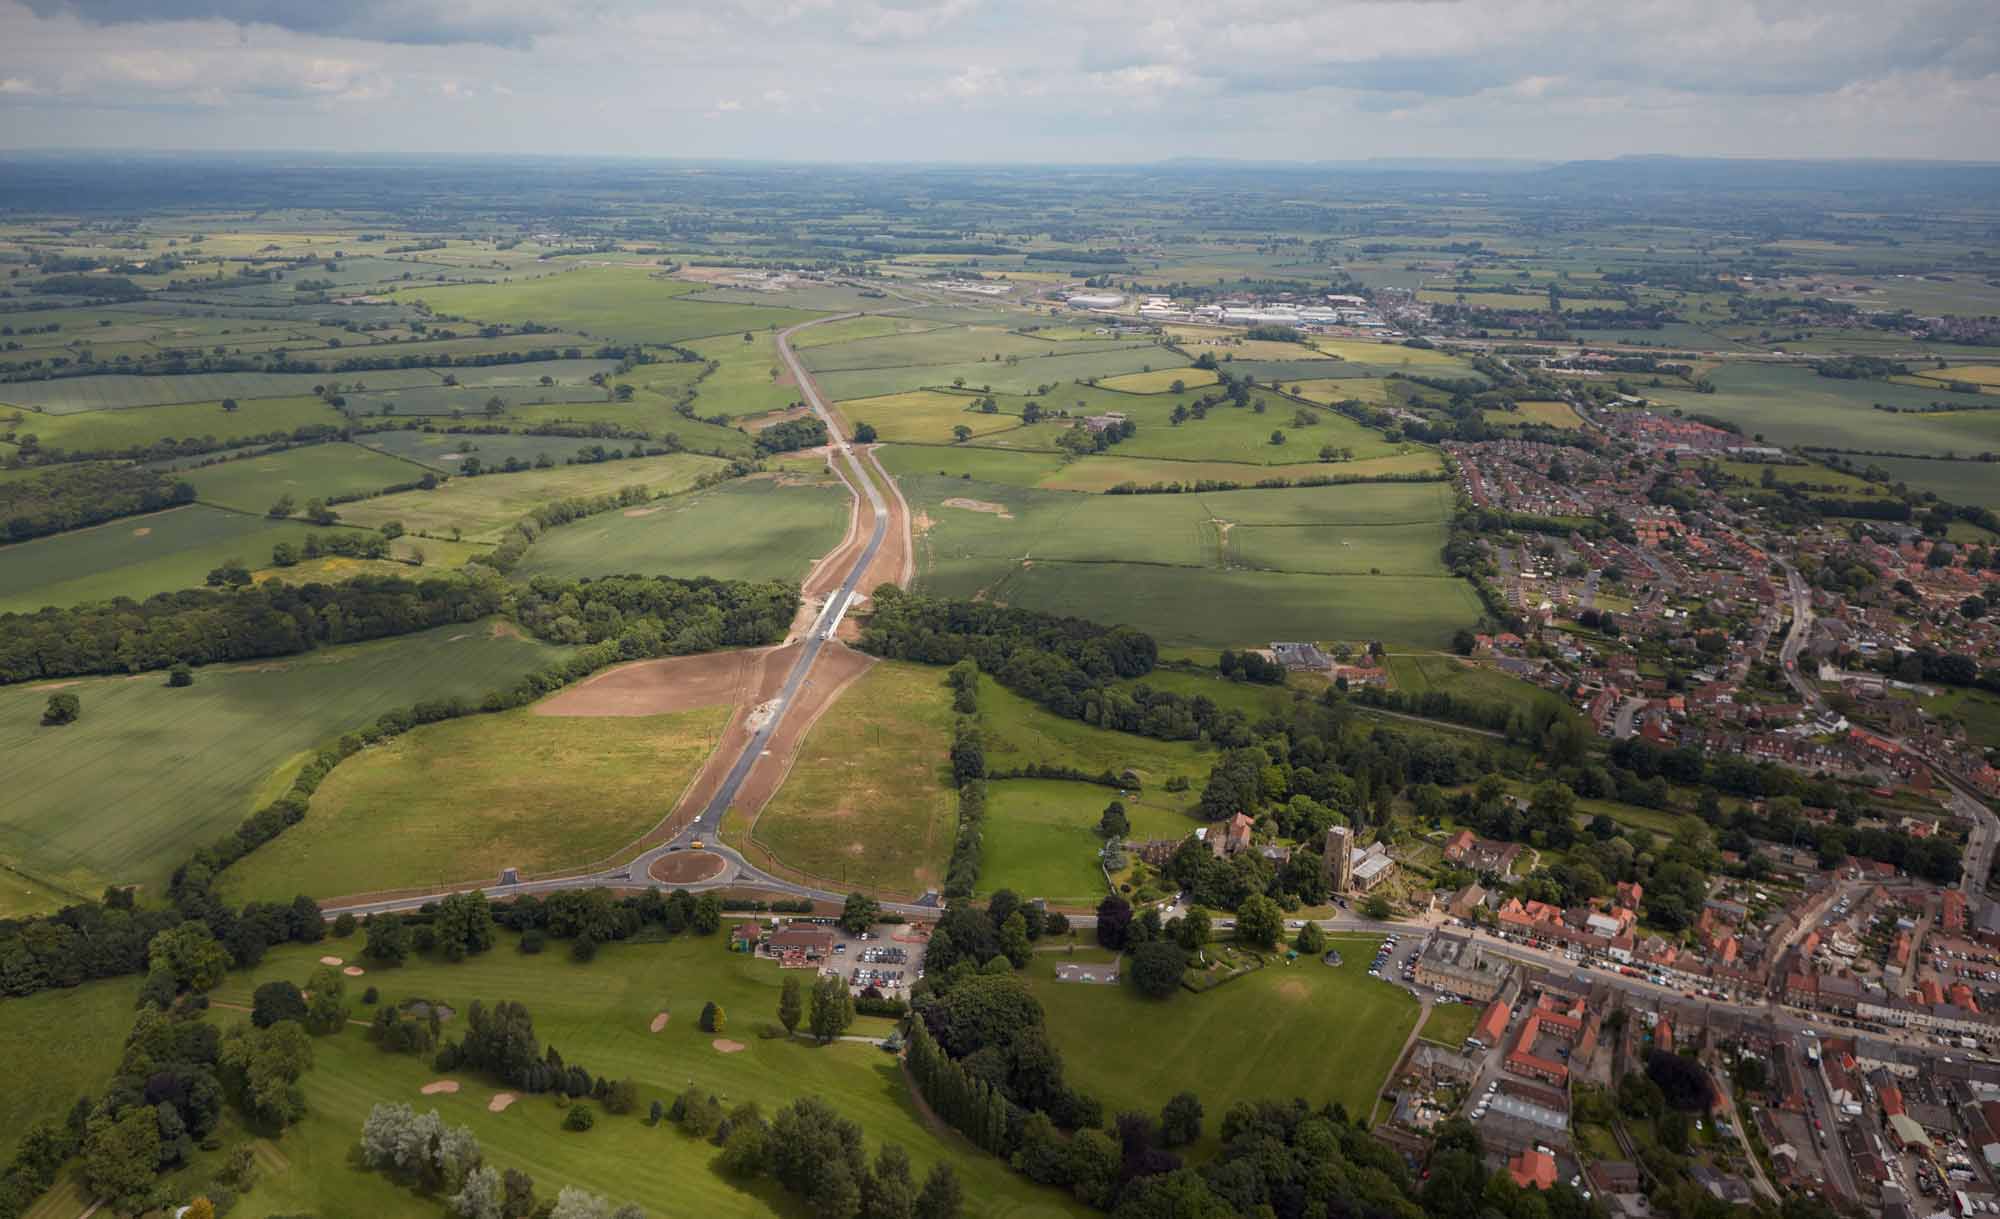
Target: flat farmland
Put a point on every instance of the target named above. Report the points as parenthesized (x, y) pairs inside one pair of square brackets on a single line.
[(622, 304), (1161, 563), (1956, 482), (1987, 375), (1304, 1029), (1797, 407), (482, 508), (1041, 837), (1058, 365), (119, 391), (465, 401), (1103, 471), (647, 413), (600, 1014), (136, 556), (1160, 381), (466, 798), (921, 416), (1245, 435), (752, 529), (749, 379), (446, 453), (954, 345), (850, 329), (148, 772), (868, 800), (118, 430), (318, 471)]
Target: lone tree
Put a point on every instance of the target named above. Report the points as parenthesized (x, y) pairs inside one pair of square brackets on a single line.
[(791, 1008), (859, 913), (1114, 823), (1157, 966), (180, 676), (864, 433), (712, 1020), (63, 708)]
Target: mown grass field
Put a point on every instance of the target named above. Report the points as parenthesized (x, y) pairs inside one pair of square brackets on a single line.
[(869, 800), (1041, 836), (751, 529), (482, 508), (1548, 414), (622, 304), (1419, 674), (319, 471), (136, 556), (1300, 1030), (1449, 1024), (97, 431), (1956, 482), (148, 773), (599, 1015), (465, 798)]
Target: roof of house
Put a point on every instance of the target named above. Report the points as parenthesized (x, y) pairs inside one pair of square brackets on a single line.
[(1534, 1169)]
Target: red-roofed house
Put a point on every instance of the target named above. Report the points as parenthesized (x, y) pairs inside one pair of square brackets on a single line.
[(1533, 1169)]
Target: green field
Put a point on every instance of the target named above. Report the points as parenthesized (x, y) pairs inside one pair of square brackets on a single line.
[(749, 529), (922, 416), (1976, 709), (121, 391), (466, 798), (597, 1014), (869, 801), (319, 471), (1795, 406), (1548, 414), (96, 431), (1449, 1024), (746, 381), (1419, 674), (993, 346), (1057, 364), (1160, 380), (136, 556), (622, 304), (1179, 566), (1018, 733), (1298, 1030), (148, 773), (68, 1041), (1041, 836), (1101, 472), (482, 508), (446, 453), (1955, 482)]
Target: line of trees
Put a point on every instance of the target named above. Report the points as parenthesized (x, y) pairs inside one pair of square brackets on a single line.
[(71, 497)]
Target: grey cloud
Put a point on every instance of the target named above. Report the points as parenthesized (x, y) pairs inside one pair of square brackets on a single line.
[(398, 21)]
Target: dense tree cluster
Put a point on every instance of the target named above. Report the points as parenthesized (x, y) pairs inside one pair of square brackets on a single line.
[(806, 432), (658, 616), (72, 496), (204, 626)]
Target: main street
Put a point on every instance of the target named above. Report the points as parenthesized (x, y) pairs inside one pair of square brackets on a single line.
[(736, 872)]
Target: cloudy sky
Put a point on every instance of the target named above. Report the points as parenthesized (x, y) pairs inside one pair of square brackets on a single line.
[(1009, 80)]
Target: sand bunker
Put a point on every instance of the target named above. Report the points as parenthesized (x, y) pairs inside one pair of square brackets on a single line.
[(979, 505), (142, 531), (354, 971), (659, 1022), (500, 1102), (331, 961), (439, 1085), (729, 1047)]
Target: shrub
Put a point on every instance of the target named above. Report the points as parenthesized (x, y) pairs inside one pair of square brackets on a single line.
[(579, 1117), (712, 1020), (533, 940), (344, 926), (63, 708), (371, 995), (180, 676)]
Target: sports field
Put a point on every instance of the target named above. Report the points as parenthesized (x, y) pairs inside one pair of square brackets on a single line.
[(148, 772), (1041, 836), (1305, 1029), (482, 508), (136, 556), (465, 798), (319, 471), (748, 529), (869, 801)]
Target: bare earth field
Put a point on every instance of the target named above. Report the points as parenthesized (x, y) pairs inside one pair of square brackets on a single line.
[(659, 687)]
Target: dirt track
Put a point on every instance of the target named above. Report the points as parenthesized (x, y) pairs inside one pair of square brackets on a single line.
[(659, 687)]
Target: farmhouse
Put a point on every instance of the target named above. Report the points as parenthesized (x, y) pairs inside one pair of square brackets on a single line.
[(1109, 421), (1301, 657)]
